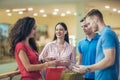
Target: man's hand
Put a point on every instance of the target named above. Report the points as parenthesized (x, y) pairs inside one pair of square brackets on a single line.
[(79, 69)]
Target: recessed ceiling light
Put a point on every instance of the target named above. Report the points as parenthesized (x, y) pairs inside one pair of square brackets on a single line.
[(7, 10), (42, 11), (30, 9), (75, 13), (62, 14), (56, 10), (17, 10), (114, 9), (68, 12), (9, 14), (20, 12), (54, 13), (118, 11), (35, 14), (44, 15), (107, 7)]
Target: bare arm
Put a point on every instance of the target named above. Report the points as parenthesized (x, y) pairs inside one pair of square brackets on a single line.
[(80, 59), (32, 67), (106, 62)]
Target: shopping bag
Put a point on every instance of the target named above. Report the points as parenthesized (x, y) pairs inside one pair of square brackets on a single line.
[(69, 75), (54, 73)]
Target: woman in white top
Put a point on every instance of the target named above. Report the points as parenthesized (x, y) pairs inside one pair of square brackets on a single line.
[(59, 49)]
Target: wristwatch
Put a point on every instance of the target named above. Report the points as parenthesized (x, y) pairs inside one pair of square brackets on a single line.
[(42, 61), (87, 70)]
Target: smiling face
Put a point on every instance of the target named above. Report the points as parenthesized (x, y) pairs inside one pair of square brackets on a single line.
[(60, 31), (91, 22)]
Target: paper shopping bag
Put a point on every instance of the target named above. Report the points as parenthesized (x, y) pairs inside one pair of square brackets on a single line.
[(54, 73)]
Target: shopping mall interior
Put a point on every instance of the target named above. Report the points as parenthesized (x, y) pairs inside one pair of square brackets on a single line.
[(47, 14)]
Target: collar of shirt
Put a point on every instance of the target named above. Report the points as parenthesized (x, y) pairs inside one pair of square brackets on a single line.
[(104, 28), (94, 38)]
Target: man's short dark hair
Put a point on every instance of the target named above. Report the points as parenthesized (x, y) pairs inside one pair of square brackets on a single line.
[(95, 12), (83, 19)]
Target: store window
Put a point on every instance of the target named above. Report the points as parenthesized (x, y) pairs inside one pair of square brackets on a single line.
[(5, 56)]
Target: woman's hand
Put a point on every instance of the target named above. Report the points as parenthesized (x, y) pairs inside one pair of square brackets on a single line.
[(47, 59), (62, 62)]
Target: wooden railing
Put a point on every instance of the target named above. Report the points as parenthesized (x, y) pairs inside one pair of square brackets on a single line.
[(9, 74)]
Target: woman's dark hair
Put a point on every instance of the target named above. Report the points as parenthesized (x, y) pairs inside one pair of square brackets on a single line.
[(66, 38), (20, 31)]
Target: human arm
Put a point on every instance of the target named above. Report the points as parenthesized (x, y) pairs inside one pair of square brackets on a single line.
[(44, 55), (79, 53), (107, 61), (80, 59), (104, 63), (108, 52), (33, 67), (70, 58), (107, 44)]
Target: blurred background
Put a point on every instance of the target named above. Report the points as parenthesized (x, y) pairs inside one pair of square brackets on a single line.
[(47, 14)]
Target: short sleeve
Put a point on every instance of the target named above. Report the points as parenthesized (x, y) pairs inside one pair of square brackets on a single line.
[(79, 47), (44, 52), (108, 41), (19, 46)]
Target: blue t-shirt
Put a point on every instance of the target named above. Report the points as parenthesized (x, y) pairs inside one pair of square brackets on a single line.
[(108, 40), (88, 50)]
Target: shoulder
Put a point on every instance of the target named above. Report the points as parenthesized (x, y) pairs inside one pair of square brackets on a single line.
[(69, 45), (20, 44), (50, 44), (108, 33), (82, 41), (107, 30)]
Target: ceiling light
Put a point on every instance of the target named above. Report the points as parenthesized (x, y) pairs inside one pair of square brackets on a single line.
[(44, 15), (30, 9), (17, 10), (54, 13), (68, 12), (56, 10), (63, 14), (107, 7), (7, 10), (118, 11), (20, 12), (75, 13), (9, 14), (114, 9), (42, 11), (35, 14)]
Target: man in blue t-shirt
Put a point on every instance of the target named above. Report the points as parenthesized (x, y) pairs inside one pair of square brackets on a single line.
[(107, 51), (87, 48)]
